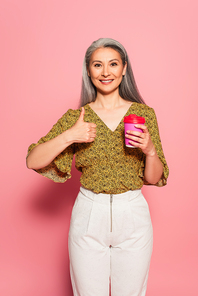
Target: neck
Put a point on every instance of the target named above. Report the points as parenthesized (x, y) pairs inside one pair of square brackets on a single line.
[(109, 101)]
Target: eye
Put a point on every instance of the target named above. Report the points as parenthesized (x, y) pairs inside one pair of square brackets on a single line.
[(114, 64), (97, 65)]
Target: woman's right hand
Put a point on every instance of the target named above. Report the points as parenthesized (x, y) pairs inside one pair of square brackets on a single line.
[(81, 131), (44, 154)]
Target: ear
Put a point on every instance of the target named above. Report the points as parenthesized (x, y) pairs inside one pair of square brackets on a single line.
[(124, 69), (88, 73)]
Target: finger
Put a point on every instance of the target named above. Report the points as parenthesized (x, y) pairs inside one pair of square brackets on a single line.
[(81, 117), (137, 139), (141, 126), (135, 144), (93, 125), (91, 139), (135, 133), (93, 129), (92, 134)]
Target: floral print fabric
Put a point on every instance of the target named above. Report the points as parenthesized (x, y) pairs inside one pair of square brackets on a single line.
[(107, 165)]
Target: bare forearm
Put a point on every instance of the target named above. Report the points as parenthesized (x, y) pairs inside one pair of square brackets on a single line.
[(44, 153), (153, 168)]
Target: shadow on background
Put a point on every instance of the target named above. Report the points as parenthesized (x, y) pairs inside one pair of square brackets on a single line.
[(50, 205), (55, 198)]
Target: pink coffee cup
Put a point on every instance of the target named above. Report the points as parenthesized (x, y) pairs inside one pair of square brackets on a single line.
[(129, 125)]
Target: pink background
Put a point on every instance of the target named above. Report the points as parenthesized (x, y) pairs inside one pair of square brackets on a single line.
[(42, 48)]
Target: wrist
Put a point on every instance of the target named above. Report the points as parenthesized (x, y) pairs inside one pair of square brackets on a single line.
[(152, 153), (67, 138)]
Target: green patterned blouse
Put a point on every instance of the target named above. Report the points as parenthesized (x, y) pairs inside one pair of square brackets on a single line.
[(107, 165)]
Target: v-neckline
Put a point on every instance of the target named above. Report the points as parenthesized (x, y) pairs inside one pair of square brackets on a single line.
[(105, 123)]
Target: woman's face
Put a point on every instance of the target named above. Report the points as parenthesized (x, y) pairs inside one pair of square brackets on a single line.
[(106, 70)]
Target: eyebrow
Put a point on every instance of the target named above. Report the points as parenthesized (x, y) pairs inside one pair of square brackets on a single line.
[(101, 61)]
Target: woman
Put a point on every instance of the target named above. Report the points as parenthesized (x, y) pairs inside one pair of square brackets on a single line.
[(110, 237)]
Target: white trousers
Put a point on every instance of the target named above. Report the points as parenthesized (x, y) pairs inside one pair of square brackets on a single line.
[(110, 244)]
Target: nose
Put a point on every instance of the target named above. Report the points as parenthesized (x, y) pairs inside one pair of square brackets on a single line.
[(105, 71)]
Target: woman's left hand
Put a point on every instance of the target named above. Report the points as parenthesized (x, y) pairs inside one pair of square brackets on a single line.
[(142, 140)]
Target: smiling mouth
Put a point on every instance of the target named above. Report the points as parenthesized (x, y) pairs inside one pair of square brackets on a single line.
[(106, 81)]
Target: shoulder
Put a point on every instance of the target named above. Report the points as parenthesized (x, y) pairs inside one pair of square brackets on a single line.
[(69, 118), (145, 110), (71, 113)]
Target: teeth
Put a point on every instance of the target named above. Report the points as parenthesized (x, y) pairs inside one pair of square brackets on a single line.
[(107, 80)]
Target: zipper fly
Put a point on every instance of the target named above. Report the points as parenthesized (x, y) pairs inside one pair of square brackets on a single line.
[(111, 200)]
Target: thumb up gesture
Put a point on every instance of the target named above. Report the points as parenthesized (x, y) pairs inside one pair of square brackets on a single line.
[(81, 131)]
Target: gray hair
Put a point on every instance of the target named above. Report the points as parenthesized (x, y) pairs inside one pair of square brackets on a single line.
[(128, 89)]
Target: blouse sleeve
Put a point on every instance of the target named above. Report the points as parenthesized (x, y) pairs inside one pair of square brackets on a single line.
[(59, 170), (155, 137)]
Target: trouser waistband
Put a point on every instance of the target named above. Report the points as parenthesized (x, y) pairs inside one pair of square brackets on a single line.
[(104, 198)]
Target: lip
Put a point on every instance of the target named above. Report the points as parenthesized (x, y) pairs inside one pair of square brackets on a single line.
[(106, 81)]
